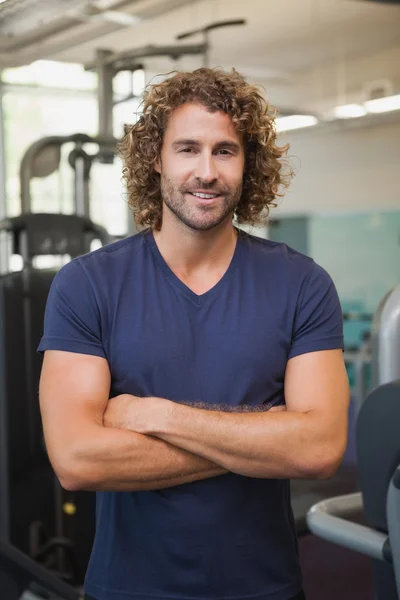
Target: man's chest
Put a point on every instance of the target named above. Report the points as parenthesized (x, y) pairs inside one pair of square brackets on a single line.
[(229, 351)]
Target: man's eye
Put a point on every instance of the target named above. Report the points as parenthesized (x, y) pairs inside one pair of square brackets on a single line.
[(187, 150), (224, 152)]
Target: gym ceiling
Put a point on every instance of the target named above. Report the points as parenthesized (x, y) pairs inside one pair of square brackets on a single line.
[(308, 54)]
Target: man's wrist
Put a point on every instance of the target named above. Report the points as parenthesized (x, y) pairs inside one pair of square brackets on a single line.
[(162, 414)]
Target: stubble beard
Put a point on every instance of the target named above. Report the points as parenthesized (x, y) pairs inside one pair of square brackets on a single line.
[(199, 218)]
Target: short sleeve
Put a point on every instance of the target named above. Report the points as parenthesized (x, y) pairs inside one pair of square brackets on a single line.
[(319, 320), (72, 317)]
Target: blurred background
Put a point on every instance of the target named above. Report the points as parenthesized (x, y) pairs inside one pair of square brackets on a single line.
[(330, 67)]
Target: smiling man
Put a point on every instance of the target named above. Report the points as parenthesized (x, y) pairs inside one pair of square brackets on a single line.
[(200, 192), (192, 369)]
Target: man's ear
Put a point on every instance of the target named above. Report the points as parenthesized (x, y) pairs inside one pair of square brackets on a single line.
[(157, 165)]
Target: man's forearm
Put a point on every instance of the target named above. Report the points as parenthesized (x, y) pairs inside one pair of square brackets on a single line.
[(119, 460), (283, 444)]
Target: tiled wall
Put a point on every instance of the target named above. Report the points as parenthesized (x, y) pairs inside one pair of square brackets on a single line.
[(360, 251), (362, 254)]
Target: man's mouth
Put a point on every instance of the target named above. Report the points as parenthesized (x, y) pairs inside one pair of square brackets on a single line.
[(204, 196)]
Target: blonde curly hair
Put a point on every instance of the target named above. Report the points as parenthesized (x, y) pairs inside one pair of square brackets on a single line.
[(215, 89)]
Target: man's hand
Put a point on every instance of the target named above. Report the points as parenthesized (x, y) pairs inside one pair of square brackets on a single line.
[(140, 415), (117, 412)]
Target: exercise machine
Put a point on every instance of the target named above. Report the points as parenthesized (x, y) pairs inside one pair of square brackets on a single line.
[(378, 457), (22, 578), (49, 525)]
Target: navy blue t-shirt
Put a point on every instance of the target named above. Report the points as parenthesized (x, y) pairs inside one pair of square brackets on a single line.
[(227, 537)]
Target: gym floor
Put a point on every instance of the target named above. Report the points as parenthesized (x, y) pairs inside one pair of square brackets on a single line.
[(329, 571), (333, 573)]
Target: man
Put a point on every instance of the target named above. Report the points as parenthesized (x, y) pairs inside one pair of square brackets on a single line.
[(191, 370)]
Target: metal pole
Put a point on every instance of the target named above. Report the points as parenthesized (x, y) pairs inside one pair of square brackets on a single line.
[(5, 252), (3, 200), (389, 339), (360, 376), (79, 168), (206, 58), (4, 463), (105, 73)]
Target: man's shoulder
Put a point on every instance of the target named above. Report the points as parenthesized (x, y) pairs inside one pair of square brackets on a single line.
[(104, 264), (114, 256), (288, 268), (279, 254), (116, 250)]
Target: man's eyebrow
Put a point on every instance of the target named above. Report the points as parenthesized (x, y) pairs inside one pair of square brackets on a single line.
[(228, 144), (222, 144), (185, 142)]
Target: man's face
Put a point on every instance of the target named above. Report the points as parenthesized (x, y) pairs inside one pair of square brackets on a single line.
[(201, 167)]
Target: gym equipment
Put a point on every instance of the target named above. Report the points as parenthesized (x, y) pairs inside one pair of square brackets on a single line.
[(378, 450), (107, 64), (20, 574), (43, 158), (378, 456), (32, 498), (357, 327), (385, 339), (306, 493), (358, 363), (357, 354), (205, 31), (38, 517)]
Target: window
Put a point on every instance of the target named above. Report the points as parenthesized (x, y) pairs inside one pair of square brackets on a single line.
[(34, 108)]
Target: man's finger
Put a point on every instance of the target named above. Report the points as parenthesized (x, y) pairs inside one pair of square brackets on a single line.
[(280, 408)]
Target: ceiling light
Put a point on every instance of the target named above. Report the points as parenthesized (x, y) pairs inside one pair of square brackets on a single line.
[(121, 18), (349, 111), (381, 105), (295, 122), (103, 4)]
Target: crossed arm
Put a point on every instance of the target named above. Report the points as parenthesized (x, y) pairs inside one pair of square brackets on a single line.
[(131, 443)]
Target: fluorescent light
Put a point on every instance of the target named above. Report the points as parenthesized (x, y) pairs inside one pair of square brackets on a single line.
[(381, 105), (349, 111), (103, 4), (121, 18), (295, 122)]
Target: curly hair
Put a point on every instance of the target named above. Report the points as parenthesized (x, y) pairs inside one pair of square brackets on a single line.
[(217, 90)]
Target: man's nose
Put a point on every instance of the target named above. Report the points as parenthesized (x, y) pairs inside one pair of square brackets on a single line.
[(206, 169)]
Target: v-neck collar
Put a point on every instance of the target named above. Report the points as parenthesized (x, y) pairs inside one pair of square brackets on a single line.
[(178, 283)]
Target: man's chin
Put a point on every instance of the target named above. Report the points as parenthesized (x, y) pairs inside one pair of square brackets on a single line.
[(198, 217), (205, 224)]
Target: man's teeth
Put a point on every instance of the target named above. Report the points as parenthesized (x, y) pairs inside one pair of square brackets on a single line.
[(204, 196)]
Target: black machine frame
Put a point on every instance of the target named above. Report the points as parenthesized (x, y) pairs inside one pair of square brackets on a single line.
[(30, 235)]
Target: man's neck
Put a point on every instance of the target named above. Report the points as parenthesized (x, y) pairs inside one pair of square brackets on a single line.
[(187, 251)]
